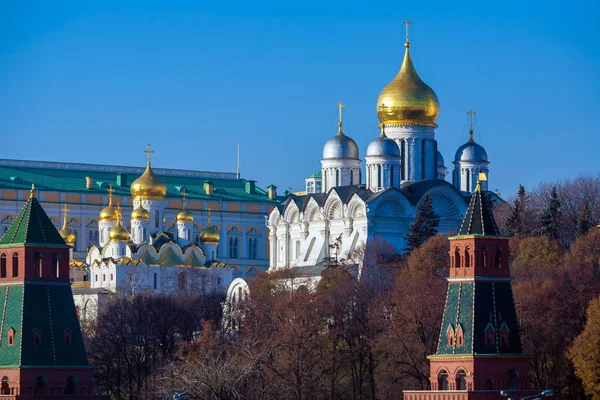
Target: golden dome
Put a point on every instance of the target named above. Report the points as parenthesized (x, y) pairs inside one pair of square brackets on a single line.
[(407, 100), (68, 235), (184, 216), (118, 234), (148, 186), (140, 214), (209, 235)]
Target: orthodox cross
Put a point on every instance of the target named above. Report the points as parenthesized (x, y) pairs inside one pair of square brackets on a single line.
[(110, 191), (65, 213), (471, 113), (208, 222), (119, 215), (149, 151), (340, 106), (407, 23)]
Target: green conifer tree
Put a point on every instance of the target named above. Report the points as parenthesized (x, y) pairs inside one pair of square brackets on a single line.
[(426, 225), (584, 220), (549, 217), (514, 224)]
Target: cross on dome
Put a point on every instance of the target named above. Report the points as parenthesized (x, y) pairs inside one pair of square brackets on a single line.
[(471, 113), (149, 151), (407, 23)]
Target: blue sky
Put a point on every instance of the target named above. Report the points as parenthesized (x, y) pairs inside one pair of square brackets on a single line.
[(95, 81)]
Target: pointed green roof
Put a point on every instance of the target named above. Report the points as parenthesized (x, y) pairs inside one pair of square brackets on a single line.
[(32, 227), (479, 219)]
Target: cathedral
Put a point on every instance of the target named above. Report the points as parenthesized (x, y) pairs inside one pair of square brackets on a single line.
[(343, 210)]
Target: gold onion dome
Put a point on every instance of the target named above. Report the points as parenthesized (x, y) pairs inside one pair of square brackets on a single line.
[(140, 214), (148, 186), (407, 100), (118, 234), (210, 234), (65, 232), (108, 213), (184, 216)]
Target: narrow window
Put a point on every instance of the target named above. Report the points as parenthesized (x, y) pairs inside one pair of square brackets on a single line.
[(3, 266), (37, 264), (443, 380), (337, 177), (40, 385), (351, 177), (37, 336), (56, 264), (498, 257), (511, 382), (11, 336), (392, 167), (484, 257), (156, 219), (467, 257), (457, 257), (15, 265), (461, 382), (67, 336), (155, 280), (379, 176), (5, 389)]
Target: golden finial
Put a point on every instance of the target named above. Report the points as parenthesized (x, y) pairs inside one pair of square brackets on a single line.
[(149, 151), (32, 193), (480, 178), (110, 191), (65, 214), (407, 23), (340, 106), (119, 214), (382, 107), (183, 200), (471, 113), (208, 222)]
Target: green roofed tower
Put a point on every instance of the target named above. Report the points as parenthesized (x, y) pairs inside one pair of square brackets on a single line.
[(41, 344), (479, 351)]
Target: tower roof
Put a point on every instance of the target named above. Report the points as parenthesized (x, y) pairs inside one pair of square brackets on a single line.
[(32, 227), (479, 219)]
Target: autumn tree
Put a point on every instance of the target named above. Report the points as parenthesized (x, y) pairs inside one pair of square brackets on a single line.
[(584, 221), (585, 355), (549, 217), (426, 225)]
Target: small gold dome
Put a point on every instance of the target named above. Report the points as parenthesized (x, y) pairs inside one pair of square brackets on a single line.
[(108, 213), (140, 214), (407, 99), (209, 235), (148, 186), (68, 235), (184, 216), (118, 234)]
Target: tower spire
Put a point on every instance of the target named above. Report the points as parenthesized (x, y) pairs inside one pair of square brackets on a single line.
[(471, 113), (340, 106), (407, 23), (238, 161)]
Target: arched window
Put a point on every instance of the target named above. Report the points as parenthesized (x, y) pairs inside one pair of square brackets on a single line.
[(103, 234), (3, 266), (457, 257), (511, 381), (252, 248), (156, 219), (443, 380), (10, 336), (484, 253), (498, 258), (337, 177), (5, 389), (467, 257), (351, 177), (90, 239), (460, 336), (233, 247), (56, 264), (71, 384), (490, 335), (461, 382), (155, 280), (15, 265), (40, 385), (37, 264)]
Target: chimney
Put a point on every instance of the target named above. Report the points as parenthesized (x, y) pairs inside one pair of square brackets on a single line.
[(122, 180), (89, 182), (209, 188), (272, 192), (251, 187)]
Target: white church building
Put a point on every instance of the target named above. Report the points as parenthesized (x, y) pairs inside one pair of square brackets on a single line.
[(402, 165)]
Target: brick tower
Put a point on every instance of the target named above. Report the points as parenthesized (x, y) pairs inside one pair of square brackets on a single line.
[(479, 351), (41, 346)]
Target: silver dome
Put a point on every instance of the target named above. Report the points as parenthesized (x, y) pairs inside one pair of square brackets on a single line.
[(383, 146), (471, 151), (440, 159), (340, 146)]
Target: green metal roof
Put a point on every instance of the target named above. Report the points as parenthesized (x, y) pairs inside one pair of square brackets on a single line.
[(33, 227), (63, 177)]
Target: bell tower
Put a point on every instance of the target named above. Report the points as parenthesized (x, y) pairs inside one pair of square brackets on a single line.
[(479, 351)]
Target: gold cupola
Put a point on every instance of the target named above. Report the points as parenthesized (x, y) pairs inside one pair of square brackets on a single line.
[(66, 233), (407, 100), (148, 186), (140, 214), (109, 213), (210, 234), (118, 233), (184, 215)]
